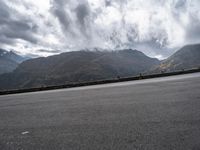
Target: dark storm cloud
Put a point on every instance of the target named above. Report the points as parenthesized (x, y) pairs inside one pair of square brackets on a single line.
[(13, 26), (4, 10), (83, 18), (108, 2), (15, 29), (58, 9), (63, 18), (6, 40), (193, 29), (180, 4), (82, 11), (73, 16)]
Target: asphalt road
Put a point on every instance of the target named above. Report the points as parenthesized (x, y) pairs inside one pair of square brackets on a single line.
[(152, 114)]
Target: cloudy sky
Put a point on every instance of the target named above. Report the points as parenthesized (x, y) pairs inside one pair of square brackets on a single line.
[(45, 27)]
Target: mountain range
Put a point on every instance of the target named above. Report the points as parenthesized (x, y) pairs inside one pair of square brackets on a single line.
[(78, 66), (85, 65), (9, 61)]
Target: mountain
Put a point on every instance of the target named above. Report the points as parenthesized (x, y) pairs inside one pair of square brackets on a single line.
[(186, 58), (79, 66), (9, 61)]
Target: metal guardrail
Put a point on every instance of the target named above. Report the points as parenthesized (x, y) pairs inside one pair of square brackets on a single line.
[(118, 79)]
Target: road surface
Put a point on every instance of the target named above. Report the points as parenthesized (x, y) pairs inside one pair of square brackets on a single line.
[(152, 114)]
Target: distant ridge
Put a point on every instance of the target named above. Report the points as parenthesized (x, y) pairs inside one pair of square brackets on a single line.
[(79, 66), (9, 61)]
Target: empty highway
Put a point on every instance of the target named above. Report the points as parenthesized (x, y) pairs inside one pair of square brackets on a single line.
[(152, 114)]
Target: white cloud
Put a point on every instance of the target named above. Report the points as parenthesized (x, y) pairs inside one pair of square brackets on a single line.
[(157, 27)]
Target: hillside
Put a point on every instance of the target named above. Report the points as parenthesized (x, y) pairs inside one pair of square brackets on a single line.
[(79, 66), (186, 58)]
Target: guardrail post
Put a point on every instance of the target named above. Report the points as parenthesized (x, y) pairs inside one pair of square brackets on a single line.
[(141, 77), (118, 77)]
